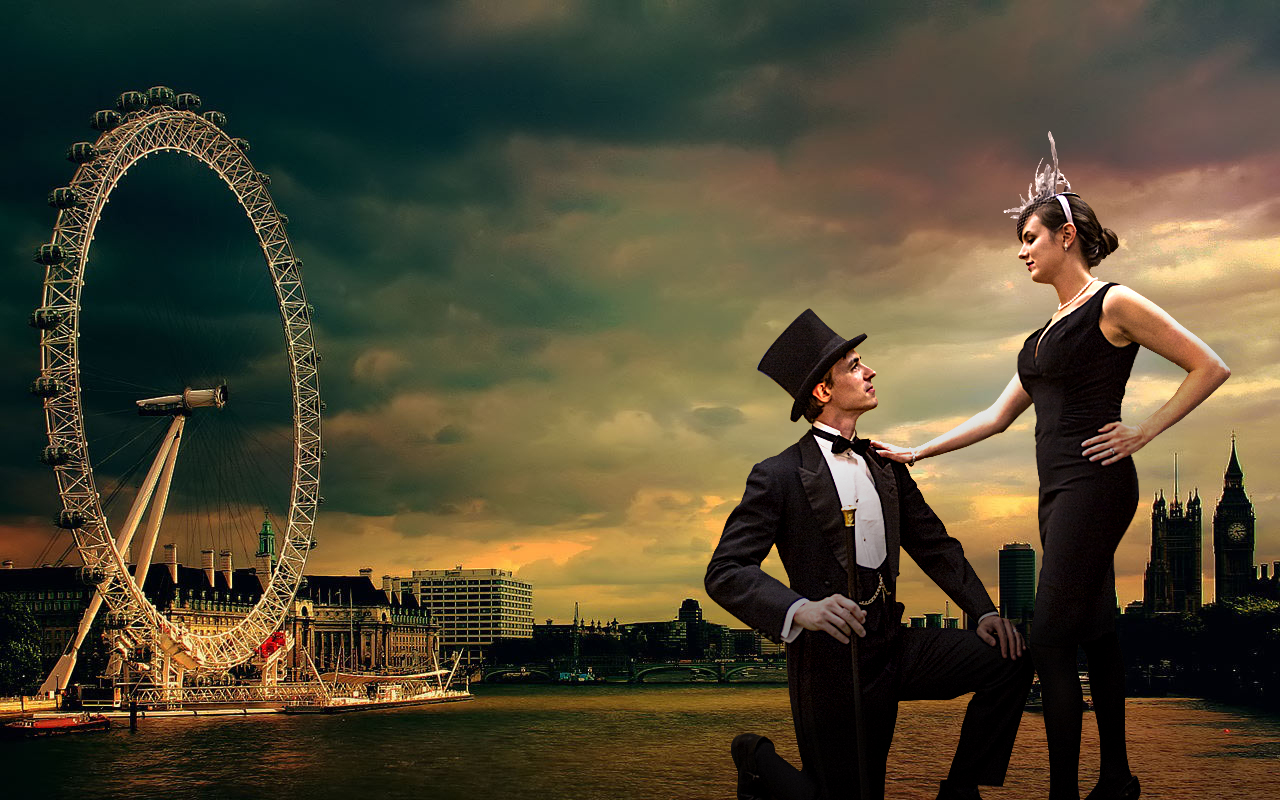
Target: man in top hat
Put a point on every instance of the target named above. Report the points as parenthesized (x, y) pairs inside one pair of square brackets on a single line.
[(794, 500)]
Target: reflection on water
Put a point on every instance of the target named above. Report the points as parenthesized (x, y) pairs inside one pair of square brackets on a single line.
[(598, 743)]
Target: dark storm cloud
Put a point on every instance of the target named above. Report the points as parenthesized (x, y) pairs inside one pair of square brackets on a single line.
[(547, 241), (714, 420)]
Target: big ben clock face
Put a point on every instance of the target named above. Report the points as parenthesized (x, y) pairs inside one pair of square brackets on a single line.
[(1236, 532)]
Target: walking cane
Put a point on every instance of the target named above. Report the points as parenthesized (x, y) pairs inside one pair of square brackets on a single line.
[(859, 727)]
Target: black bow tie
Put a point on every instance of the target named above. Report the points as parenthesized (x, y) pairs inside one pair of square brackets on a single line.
[(839, 444)]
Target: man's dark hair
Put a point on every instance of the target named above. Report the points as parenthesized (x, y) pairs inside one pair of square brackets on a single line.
[(815, 406)]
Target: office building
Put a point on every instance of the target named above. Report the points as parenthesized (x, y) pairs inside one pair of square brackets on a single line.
[(1018, 583), (473, 607)]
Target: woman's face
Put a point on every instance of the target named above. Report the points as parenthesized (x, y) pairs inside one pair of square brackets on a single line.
[(1041, 250)]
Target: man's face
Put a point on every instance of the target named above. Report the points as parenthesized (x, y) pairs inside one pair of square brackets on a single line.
[(850, 388)]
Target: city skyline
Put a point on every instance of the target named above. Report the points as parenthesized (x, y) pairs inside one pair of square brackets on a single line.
[(548, 243)]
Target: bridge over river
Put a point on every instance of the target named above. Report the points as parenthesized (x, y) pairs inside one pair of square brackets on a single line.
[(649, 672)]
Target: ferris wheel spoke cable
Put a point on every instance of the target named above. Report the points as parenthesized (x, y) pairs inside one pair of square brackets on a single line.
[(100, 375), (121, 482)]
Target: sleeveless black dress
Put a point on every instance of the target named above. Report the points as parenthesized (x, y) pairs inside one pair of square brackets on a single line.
[(1077, 382)]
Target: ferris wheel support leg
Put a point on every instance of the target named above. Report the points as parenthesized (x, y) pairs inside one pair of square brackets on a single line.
[(148, 487), (158, 504), (60, 675)]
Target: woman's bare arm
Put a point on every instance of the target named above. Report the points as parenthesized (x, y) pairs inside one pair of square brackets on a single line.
[(995, 419)]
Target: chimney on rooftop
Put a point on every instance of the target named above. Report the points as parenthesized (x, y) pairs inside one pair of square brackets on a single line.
[(206, 564), (224, 566), (171, 561), (387, 587)]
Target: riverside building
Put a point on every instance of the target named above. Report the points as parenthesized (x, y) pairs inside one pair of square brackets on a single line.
[(344, 622), (473, 607), (348, 624)]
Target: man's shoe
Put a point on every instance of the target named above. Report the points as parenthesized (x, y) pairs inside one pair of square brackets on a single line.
[(743, 749), (949, 791), (1127, 790)]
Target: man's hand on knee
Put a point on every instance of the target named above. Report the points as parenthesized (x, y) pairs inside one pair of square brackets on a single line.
[(836, 615), (994, 629)]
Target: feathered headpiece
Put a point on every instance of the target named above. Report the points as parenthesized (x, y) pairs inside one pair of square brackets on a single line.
[(1045, 185)]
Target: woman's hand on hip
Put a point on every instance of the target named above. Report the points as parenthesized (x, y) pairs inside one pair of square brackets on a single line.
[(1115, 441)]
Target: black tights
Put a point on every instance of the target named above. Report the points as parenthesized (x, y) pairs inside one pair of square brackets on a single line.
[(1062, 697)]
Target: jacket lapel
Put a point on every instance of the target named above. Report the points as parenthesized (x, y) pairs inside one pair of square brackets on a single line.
[(824, 500)]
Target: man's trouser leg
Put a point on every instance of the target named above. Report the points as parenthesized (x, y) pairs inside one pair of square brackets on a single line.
[(939, 664)]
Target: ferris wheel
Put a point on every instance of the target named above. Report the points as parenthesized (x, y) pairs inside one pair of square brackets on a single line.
[(146, 123)]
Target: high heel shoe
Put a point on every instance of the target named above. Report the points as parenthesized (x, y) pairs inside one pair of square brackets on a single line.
[(1129, 790)]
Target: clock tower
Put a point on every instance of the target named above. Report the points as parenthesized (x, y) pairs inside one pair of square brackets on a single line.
[(1233, 534)]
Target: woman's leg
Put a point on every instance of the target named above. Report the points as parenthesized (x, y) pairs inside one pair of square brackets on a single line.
[(1062, 697), (1106, 684), (1080, 526)]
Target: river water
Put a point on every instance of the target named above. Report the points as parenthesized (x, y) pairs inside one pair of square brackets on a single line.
[(598, 743)]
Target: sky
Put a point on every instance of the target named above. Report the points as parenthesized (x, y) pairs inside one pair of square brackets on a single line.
[(548, 242)]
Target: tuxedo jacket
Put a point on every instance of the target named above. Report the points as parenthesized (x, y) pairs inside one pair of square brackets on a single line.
[(791, 502)]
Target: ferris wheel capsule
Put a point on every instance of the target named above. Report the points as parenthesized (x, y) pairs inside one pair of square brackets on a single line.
[(47, 387), (128, 102), (49, 254), (187, 102), (46, 319), (69, 520), (81, 153), (91, 576), (158, 96), (65, 197), (104, 120), (216, 117), (55, 456), (243, 144)]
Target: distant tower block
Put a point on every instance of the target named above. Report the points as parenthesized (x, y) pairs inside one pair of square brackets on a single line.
[(1017, 582)]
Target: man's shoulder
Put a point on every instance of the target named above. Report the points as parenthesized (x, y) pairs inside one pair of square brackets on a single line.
[(788, 459)]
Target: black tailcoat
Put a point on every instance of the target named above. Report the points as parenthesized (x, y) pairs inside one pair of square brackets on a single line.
[(791, 501)]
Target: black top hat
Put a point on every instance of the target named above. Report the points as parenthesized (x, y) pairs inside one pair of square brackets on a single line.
[(801, 356)]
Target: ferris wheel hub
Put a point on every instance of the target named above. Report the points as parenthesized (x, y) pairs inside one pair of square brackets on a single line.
[(190, 399)]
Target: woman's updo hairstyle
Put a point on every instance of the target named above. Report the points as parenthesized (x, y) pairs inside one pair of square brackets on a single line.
[(1096, 242)]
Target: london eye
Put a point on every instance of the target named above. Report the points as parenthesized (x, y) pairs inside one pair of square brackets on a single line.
[(142, 125)]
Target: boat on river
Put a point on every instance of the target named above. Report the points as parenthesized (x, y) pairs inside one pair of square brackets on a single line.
[(384, 692), (341, 693), (53, 726)]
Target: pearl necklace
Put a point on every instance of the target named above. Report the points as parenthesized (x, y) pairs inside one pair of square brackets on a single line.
[(1077, 297)]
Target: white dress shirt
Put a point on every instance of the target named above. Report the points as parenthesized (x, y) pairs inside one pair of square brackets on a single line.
[(855, 487)]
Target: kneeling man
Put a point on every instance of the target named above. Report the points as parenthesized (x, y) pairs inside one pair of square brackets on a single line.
[(794, 500)]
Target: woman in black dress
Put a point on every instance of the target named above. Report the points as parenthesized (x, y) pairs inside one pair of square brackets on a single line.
[(1074, 371)]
